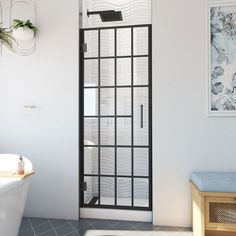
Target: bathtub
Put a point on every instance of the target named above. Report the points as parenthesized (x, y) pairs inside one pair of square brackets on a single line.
[(13, 193)]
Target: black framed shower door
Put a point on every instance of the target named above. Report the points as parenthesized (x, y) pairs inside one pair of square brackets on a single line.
[(116, 117)]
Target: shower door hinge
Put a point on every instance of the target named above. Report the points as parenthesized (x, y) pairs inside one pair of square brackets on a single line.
[(83, 186), (84, 47)]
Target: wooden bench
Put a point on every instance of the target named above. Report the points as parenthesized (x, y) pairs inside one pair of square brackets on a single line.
[(214, 212)]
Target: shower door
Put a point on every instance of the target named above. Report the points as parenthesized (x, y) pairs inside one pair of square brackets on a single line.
[(115, 118)]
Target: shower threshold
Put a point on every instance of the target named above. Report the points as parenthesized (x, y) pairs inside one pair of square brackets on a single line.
[(115, 214)]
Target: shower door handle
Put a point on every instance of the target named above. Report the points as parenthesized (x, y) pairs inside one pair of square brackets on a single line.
[(141, 116)]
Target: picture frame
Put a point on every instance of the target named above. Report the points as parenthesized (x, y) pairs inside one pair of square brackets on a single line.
[(221, 58)]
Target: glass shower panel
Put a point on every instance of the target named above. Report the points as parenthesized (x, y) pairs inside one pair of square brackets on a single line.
[(124, 71), (141, 192), (124, 161), (107, 101), (107, 41), (141, 38), (107, 72), (91, 73), (90, 102), (141, 162), (124, 193), (91, 40), (141, 117), (107, 191), (91, 190), (107, 161), (116, 117), (91, 161), (141, 71), (90, 131), (124, 42), (123, 101), (107, 131), (124, 131)]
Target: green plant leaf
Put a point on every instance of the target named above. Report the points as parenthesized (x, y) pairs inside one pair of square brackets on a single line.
[(24, 24), (6, 38)]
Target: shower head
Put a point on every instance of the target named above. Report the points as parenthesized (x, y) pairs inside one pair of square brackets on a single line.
[(107, 16)]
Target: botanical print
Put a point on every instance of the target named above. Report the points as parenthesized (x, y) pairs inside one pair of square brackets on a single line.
[(223, 58)]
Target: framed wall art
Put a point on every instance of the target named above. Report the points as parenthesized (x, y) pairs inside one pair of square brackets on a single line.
[(221, 58)]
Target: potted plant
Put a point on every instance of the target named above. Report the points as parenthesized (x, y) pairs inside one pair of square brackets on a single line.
[(23, 30), (6, 38)]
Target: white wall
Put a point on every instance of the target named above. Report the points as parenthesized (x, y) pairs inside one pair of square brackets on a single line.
[(48, 79), (185, 139)]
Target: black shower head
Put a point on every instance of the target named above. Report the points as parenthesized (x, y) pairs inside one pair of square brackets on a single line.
[(111, 16), (107, 16)]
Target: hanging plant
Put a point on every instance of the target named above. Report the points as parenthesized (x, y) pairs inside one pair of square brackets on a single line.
[(6, 38), (23, 30)]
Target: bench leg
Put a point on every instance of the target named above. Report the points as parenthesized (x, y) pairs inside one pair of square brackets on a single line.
[(198, 213)]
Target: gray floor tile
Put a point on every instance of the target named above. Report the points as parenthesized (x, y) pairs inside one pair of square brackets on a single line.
[(66, 229), (94, 227), (83, 223), (57, 223), (73, 234), (114, 222), (123, 225), (38, 221), (28, 232), (144, 227), (42, 228), (134, 223), (49, 233), (103, 225), (75, 224), (92, 221), (25, 225)]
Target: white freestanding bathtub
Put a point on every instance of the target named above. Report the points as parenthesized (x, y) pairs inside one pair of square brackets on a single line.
[(13, 194)]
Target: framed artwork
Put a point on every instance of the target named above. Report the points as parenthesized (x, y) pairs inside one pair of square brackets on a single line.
[(221, 58)]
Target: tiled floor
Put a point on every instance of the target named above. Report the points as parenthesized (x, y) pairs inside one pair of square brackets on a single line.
[(86, 227)]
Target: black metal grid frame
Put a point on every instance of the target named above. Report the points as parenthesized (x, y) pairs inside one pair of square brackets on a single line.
[(99, 116)]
